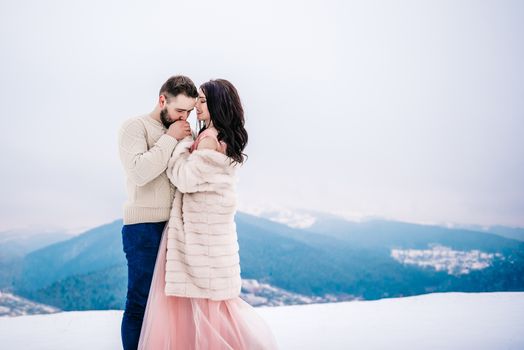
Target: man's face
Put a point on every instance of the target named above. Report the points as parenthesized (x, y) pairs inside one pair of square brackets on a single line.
[(175, 108)]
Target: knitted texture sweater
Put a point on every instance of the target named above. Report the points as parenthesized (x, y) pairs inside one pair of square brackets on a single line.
[(145, 150)]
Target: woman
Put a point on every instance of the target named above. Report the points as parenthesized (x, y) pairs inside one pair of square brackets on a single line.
[(194, 299)]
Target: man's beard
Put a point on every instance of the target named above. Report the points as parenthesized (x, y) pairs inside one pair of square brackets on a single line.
[(164, 118)]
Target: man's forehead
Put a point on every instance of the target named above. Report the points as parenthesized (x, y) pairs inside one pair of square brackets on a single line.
[(184, 102)]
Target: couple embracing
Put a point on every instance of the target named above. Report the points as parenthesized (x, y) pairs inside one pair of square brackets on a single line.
[(179, 234)]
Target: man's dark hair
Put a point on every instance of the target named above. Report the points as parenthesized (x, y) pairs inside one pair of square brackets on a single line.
[(179, 84)]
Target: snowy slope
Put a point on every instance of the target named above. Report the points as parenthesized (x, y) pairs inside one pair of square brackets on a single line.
[(432, 321), (14, 305)]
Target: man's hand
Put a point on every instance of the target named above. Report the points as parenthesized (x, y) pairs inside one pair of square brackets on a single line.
[(179, 129)]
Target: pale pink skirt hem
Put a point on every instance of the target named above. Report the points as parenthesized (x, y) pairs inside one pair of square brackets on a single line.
[(172, 322)]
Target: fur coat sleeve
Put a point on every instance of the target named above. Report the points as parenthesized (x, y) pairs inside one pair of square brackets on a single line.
[(201, 170)]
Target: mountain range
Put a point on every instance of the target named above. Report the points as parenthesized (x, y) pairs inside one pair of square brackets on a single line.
[(330, 259)]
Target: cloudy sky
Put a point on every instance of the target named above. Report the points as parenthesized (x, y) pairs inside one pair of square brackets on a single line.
[(409, 110)]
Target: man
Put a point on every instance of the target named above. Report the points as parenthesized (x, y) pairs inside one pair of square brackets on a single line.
[(146, 144)]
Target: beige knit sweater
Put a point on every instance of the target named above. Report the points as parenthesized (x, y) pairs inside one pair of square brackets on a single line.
[(145, 150), (202, 247)]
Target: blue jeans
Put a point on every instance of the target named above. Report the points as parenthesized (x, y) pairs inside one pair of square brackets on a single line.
[(140, 243)]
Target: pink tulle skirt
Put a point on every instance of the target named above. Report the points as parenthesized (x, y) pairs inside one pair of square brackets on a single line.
[(172, 322)]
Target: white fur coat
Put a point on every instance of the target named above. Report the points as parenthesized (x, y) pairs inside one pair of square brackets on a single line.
[(202, 248)]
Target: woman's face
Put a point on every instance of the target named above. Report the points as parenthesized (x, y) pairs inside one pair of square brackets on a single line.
[(201, 108)]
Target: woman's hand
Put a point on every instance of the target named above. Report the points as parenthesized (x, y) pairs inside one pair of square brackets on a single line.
[(179, 130)]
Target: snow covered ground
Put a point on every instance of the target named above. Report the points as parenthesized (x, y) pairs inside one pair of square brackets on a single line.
[(433, 321)]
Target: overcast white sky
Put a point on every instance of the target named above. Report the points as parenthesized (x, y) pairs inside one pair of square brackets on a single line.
[(410, 110)]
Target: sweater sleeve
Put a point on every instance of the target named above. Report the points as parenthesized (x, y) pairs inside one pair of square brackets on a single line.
[(140, 164)]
